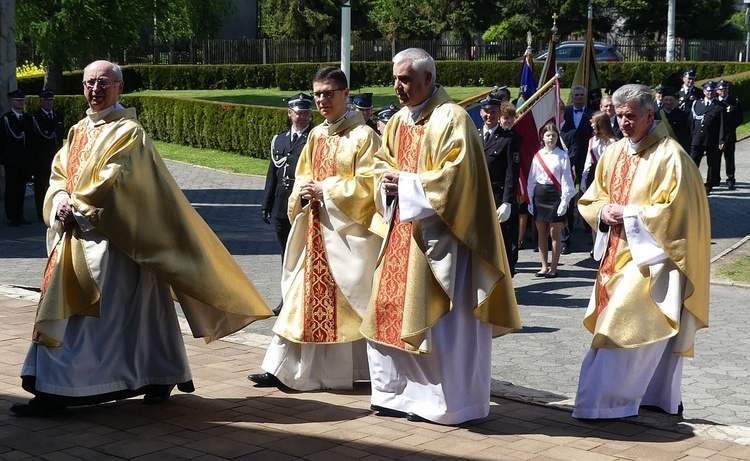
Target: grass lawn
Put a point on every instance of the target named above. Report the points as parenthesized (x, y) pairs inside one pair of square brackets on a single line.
[(382, 96), (738, 270)]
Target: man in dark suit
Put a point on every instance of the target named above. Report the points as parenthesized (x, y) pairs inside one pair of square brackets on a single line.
[(689, 93), (285, 150), (47, 139), (502, 147), (575, 134), (708, 131), (733, 118), (16, 156), (606, 106), (363, 103), (679, 122)]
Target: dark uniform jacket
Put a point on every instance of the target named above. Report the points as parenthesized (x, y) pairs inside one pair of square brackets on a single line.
[(686, 99), (48, 137), (733, 118), (502, 152), (707, 123), (680, 123), (15, 140), (280, 176)]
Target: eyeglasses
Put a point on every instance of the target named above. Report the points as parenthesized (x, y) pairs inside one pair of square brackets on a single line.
[(103, 83), (328, 94)]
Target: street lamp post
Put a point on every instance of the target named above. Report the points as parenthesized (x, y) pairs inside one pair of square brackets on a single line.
[(346, 37)]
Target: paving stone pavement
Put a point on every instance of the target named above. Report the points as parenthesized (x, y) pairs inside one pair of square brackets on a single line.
[(535, 371)]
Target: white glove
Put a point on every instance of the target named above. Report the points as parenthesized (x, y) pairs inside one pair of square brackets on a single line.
[(503, 212), (562, 209)]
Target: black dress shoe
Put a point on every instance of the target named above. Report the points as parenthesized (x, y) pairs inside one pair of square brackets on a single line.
[(265, 380), (158, 395), (387, 412), (277, 310), (416, 418), (35, 409), (24, 222), (13, 223)]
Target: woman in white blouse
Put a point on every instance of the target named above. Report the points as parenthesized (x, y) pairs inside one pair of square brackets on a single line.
[(603, 136), (550, 188)]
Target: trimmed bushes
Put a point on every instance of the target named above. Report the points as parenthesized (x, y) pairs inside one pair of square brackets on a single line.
[(247, 130)]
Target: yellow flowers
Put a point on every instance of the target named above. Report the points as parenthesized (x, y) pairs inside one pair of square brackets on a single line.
[(29, 69)]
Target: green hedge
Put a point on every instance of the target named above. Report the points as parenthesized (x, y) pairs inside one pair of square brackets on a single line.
[(290, 77), (247, 130)]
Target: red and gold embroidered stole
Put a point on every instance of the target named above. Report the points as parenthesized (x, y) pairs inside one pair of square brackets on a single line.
[(78, 153), (390, 299), (620, 183), (320, 286)]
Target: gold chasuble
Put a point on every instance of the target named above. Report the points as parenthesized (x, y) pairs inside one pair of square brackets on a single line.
[(416, 273), (333, 243), (116, 179), (631, 306)]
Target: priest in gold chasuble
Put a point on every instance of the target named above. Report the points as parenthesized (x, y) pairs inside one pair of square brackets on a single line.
[(651, 291), (331, 252), (443, 287), (123, 240)]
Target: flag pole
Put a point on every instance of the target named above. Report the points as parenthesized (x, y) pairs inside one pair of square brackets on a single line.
[(589, 48), (521, 111)]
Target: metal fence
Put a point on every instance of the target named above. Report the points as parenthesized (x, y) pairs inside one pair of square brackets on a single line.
[(267, 51)]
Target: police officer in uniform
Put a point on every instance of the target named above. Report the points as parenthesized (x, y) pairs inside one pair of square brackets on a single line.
[(502, 147), (46, 141), (658, 95), (363, 103), (384, 115), (708, 130), (689, 93), (285, 150), (679, 121), (733, 118), (16, 156)]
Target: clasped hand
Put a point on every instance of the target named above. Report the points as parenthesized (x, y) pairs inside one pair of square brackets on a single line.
[(311, 190), (612, 214), (390, 183), (65, 212)]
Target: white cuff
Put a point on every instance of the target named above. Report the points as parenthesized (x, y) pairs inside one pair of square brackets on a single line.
[(644, 248), (412, 200)]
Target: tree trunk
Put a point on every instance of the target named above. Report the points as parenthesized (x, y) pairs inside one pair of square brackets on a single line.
[(7, 51), (53, 79)]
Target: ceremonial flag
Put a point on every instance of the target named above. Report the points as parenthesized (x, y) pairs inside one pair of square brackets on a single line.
[(527, 86), (471, 105), (550, 65), (542, 107), (585, 75)]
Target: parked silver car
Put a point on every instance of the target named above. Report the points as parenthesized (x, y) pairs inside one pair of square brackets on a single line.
[(571, 52)]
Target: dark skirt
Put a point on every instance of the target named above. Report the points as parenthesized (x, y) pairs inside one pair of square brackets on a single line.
[(546, 202)]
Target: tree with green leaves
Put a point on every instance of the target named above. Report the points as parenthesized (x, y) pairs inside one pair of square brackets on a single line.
[(520, 16), (300, 19), (66, 32)]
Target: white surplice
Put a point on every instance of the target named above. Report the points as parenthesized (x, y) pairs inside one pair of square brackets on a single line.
[(451, 384), (615, 382), (136, 340)]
